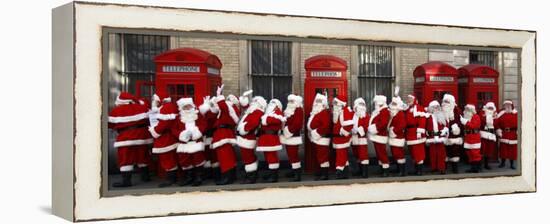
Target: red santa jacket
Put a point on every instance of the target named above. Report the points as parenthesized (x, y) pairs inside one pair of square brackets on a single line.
[(361, 125), (507, 123), (397, 130), (130, 122), (472, 138), (318, 126), (455, 129), (228, 117), (165, 141), (341, 129), (293, 126), (378, 125), (435, 131), (488, 126), (247, 127), (416, 123), (189, 134), (272, 123)]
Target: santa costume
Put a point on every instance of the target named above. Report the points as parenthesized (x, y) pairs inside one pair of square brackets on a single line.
[(378, 131), (472, 138), (129, 119), (342, 124), (415, 133), (224, 137), (268, 141), (291, 137), (318, 126), (165, 142), (246, 138), (507, 122), (396, 132), (189, 129), (210, 113), (359, 143), (436, 134), (488, 134), (453, 144)]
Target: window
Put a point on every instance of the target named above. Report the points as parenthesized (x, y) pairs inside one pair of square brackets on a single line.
[(488, 58), (376, 71), (270, 69), (177, 91), (138, 67)]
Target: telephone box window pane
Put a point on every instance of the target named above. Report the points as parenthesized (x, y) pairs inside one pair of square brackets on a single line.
[(190, 91), (438, 95), (483, 97)]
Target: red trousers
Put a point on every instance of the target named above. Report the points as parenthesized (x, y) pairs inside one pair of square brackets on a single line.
[(272, 159), (226, 157), (418, 153), (508, 151), (382, 155), (341, 158), (210, 157), (361, 153), (168, 160), (398, 154), (474, 155), (129, 156), (488, 147), (438, 155), (322, 155), (248, 156), (293, 156), (191, 160)]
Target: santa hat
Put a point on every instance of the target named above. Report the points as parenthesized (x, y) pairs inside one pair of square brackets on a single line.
[(450, 98), (162, 96), (489, 104), (184, 102), (233, 99), (321, 97), (298, 99), (358, 101), (260, 101), (508, 102), (433, 104), (379, 99), (470, 107), (340, 100), (277, 103), (125, 98)]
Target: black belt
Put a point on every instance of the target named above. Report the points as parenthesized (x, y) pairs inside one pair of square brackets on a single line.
[(269, 132), (491, 130), (509, 129), (225, 126), (132, 127), (473, 131), (433, 133), (296, 134)]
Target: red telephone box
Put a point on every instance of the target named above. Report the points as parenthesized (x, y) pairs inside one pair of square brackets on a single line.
[(477, 85), (324, 74), (434, 79), (188, 72)]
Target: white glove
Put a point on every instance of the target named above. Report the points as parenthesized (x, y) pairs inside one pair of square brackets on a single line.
[(499, 133), (445, 131), (372, 129), (185, 136), (219, 90), (287, 133), (241, 128), (463, 120), (418, 135), (361, 131), (314, 135), (354, 130), (243, 100), (455, 129), (392, 133), (343, 132), (153, 132), (196, 134), (247, 93)]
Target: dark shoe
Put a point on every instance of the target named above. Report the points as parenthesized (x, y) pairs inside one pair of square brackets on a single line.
[(486, 164), (454, 167), (502, 163), (227, 177), (145, 177), (187, 178), (442, 172), (290, 174), (250, 177), (207, 173), (512, 166), (474, 167), (297, 175), (402, 169), (418, 169), (358, 172), (340, 174), (126, 180), (323, 174), (197, 176), (171, 177), (364, 170), (273, 176), (385, 172)]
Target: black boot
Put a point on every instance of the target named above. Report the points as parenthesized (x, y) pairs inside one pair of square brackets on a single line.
[(385, 172), (474, 167), (486, 163), (418, 169), (297, 175), (171, 178), (323, 174), (512, 166), (359, 171), (126, 180), (290, 174), (454, 167), (341, 174), (502, 163), (227, 177), (187, 179), (271, 176), (250, 177), (402, 169), (207, 173), (364, 170), (197, 176), (145, 177)]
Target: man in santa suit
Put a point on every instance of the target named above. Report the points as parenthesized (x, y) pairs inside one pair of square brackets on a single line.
[(342, 124), (224, 137), (290, 136), (165, 142), (129, 120), (396, 132), (189, 129), (507, 122), (472, 138), (436, 133), (246, 138), (210, 113), (318, 126), (488, 136), (378, 131), (453, 143), (268, 140), (415, 133), (359, 143)]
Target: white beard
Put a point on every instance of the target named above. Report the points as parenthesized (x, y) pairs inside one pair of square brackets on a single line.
[(253, 106), (188, 115), (317, 107), (361, 111), (448, 109), (336, 113), (489, 115), (270, 108), (440, 117), (377, 106), (394, 110), (468, 115), (290, 108)]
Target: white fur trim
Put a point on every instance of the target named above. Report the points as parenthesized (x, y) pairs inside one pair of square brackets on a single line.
[(315, 135), (286, 132), (246, 143), (421, 130), (141, 165), (420, 162), (341, 146), (207, 140), (379, 139), (273, 166), (251, 167), (385, 165), (347, 123), (455, 159), (416, 142), (322, 141), (488, 135), (207, 164), (224, 141), (173, 168), (472, 146), (454, 141), (364, 162), (125, 119), (356, 140), (372, 129), (232, 113), (190, 147), (402, 161), (126, 168), (296, 165), (133, 142), (153, 132), (325, 164), (216, 165), (343, 132), (203, 108), (165, 149), (273, 115), (269, 148), (416, 113), (296, 140), (166, 117), (509, 141), (397, 142), (361, 131), (186, 167)]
